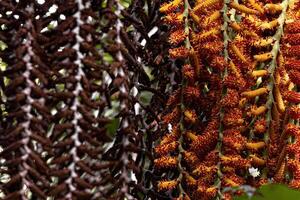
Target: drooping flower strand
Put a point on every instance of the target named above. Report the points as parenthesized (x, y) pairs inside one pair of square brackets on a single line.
[(288, 170), (273, 102), (252, 62), (173, 141), (206, 39)]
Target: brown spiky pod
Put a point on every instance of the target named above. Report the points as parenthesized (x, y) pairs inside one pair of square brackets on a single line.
[(150, 70), (127, 154)]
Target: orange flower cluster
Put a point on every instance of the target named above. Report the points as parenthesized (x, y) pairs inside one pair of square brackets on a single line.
[(168, 151), (240, 76), (289, 86)]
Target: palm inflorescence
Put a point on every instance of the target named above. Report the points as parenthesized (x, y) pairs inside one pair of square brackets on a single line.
[(148, 99)]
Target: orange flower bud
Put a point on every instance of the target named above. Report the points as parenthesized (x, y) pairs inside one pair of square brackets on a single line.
[(205, 142), (256, 5), (258, 111), (295, 77), (238, 53), (177, 36), (263, 57), (191, 158), (255, 93), (164, 149), (243, 8), (171, 6), (179, 53), (279, 176), (203, 170), (256, 161), (259, 73), (233, 117), (205, 4), (292, 64), (173, 117), (293, 27), (269, 25), (231, 99), (213, 17), (292, 39), (273, 8), (292, 97), (235, 161), (188, 73), (294, 112), (279, 100), (166, 162), (175, 19), (191, 182), (191, 93), (292, 130), (190, 116), (260, 126), (292, 50), (167, 185), (206, 192), (255, 146)]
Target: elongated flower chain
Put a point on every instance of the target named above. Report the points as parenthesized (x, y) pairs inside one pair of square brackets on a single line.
[(287, 169), (250, 113), (120, 100)]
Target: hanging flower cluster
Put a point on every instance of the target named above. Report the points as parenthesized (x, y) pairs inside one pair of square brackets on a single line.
[(242, 72), (162, 99)]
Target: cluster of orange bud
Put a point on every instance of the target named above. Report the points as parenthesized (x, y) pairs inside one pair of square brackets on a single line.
[(239, 92), (294, 112), (287, 81)]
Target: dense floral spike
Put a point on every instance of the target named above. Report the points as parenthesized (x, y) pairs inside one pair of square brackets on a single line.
[(58, 102), (175, 115), (167, 185), (213, 84)]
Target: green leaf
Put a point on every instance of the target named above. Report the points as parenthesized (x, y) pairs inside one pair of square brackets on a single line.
[(145, 97), (273, 192), (113, 126)]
